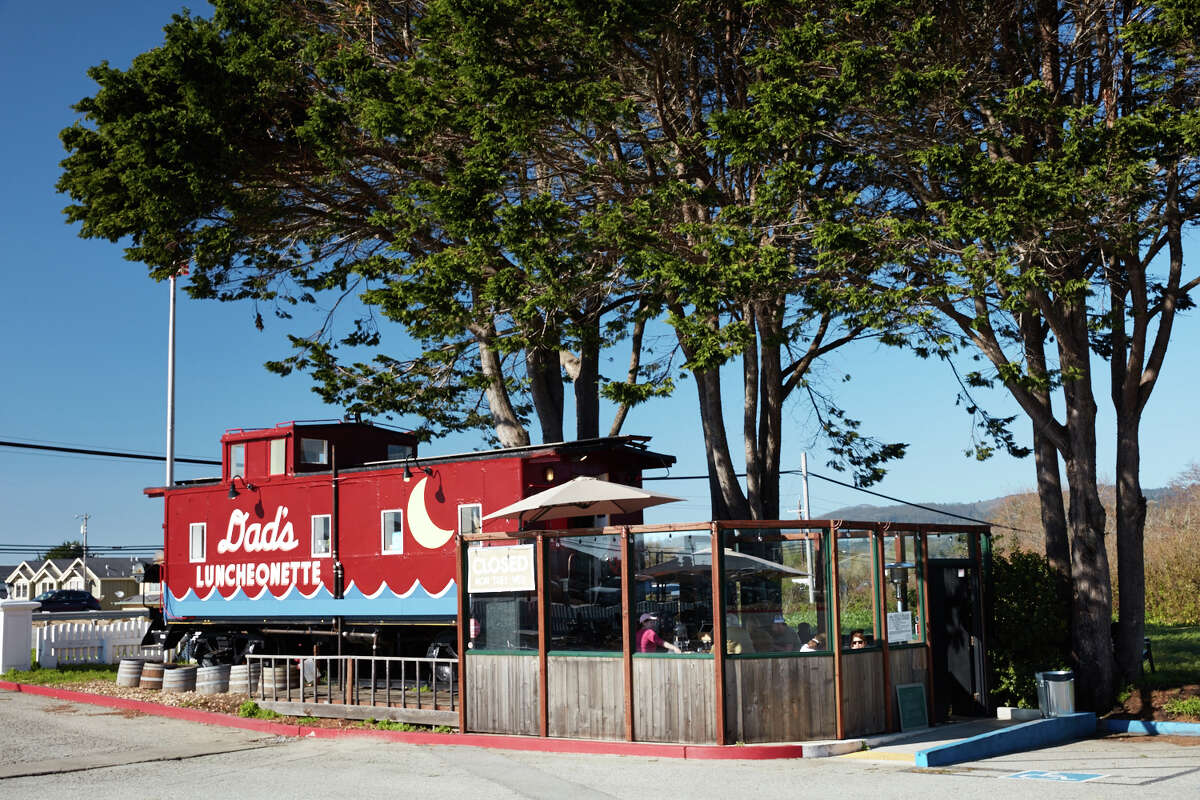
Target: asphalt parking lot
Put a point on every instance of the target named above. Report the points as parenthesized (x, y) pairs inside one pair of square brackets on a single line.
[(55, 747)]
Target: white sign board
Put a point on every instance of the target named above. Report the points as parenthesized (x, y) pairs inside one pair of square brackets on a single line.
[(501, 569), (899, 626)]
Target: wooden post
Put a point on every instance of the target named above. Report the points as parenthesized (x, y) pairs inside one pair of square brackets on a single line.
[(881, 577), (981, 615), (924, 545), (627, 632), (718, 612), (464, 620), (543, 606), (835, 639)]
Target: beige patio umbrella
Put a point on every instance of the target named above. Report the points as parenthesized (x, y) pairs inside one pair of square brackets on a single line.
[(579, 497)]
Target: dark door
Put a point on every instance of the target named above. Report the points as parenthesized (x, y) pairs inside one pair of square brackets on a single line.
[(958, 658)]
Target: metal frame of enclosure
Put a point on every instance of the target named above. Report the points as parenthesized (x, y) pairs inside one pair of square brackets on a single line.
[(741, 593)]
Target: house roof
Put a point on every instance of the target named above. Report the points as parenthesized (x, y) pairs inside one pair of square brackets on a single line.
[(112, 567), (100, 567)]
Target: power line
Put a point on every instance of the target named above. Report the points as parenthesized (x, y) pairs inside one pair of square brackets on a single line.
[(812, 474), (107, 453)]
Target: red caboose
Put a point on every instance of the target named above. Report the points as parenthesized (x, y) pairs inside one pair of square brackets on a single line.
[(319, 530)]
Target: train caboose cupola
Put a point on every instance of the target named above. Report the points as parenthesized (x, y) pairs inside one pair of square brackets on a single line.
[(292, 448)]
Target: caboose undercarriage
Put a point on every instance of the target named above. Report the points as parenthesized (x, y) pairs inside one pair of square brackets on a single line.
[(221, 642)]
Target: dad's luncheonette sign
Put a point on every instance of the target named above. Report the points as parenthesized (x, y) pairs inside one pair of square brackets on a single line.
[(274, 536), (501, 569)]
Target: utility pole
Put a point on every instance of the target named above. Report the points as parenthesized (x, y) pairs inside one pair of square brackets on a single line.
[(83, 532), (804, 484), (808, 551), (171, 388)]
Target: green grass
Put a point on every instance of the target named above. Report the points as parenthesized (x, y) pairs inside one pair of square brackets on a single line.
[(253, 710), (63, 676), (389, 725), (1176, 650)]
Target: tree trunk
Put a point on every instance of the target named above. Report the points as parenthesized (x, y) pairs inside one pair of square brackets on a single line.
[(1091, 623), (505, 421), (728, 502), (770, 427), (1050, 497), (546, 390), (1045, 454), (1131, 566), (587, 385), (750, 412)]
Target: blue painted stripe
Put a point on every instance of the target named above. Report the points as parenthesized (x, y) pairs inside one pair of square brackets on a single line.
[(1013, 739), (1151, 728), (418, 604)]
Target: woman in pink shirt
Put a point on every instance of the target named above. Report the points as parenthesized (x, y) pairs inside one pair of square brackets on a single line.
[(648, 640)]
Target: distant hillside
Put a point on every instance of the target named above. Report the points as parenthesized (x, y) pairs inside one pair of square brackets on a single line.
[(981, 510)]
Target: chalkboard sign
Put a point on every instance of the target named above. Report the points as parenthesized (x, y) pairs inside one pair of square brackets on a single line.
[(914, 712)]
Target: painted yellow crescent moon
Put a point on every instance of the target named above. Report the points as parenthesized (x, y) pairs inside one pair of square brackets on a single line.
[(427, 534)]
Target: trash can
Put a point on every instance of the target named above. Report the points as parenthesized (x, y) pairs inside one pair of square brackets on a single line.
[(1056, 692)]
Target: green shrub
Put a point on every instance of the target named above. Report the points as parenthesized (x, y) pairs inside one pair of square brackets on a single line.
[(253, 710), (1183, 707), (1030, 627)]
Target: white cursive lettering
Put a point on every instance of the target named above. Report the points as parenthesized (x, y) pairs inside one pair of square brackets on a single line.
[(255, 538)]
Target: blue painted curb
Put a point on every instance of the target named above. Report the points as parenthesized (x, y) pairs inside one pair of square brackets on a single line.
[(1014, 739), (1150, 728)]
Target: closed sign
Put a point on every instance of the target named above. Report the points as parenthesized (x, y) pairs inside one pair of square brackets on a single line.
[(501, 569)]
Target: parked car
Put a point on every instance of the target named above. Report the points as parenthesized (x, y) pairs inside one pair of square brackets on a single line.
[(67, 600)]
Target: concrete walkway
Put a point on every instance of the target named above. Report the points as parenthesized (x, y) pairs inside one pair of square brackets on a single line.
[(974, 739)]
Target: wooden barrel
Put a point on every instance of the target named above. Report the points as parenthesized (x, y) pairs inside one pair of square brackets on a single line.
[(279, 679), (179, 679), (152, 676), (212, 680), (243, 678), (129, 672)]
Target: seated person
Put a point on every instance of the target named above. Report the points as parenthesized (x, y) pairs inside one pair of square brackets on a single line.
[(858, 639), (814, 645), (737, 640), (783, 638), (648, 640)]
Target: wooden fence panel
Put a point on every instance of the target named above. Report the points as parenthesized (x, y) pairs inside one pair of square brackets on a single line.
[(862, 687), (587, 697), (502, 694), (786, 699), (907, 666), (673, 700)]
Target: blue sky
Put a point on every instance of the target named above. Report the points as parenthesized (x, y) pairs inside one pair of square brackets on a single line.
[(84, 345)]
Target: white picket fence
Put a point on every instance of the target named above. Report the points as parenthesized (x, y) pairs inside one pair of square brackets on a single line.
[(91, 642)]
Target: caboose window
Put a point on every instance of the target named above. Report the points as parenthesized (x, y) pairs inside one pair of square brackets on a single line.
[(393, 531), (470, 518), (278, 456), (314, 451), (321, 535), (237, 460), (395, 452), (196, 541)]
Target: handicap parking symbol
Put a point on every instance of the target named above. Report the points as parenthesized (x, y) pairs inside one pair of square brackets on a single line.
[(1066, 777)]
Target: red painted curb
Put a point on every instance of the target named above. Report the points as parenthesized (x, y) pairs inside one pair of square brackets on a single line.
[(491, 741)]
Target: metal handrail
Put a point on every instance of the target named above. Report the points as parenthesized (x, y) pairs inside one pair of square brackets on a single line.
[(384, 681)]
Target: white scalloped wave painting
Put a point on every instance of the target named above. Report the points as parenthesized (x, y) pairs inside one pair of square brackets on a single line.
[(415, 601)]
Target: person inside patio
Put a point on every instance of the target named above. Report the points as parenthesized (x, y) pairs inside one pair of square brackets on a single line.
[(783, 638), (648, 640)]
